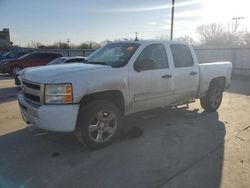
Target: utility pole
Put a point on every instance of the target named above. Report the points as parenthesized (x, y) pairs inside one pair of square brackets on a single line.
[(236, 19), (172, 21), (136, 38)]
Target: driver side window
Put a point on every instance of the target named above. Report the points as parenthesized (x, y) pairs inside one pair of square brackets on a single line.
[(152, 57)]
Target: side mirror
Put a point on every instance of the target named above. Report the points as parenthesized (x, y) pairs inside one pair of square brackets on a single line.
[(144, 64)]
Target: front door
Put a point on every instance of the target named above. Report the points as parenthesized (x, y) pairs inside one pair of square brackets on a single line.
[(151, 81)]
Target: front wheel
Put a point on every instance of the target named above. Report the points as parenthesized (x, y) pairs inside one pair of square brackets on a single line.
[(98, 124), (213, 99)]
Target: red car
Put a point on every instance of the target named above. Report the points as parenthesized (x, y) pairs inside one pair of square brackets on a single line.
[(29, 60)]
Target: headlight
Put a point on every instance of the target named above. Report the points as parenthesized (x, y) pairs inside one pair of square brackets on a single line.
[(58, 94)]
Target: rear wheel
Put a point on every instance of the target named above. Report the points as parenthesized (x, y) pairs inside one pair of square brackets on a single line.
[(98, 124), (213, 99)]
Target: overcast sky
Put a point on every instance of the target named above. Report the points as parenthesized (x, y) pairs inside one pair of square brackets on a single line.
[(49, 21)]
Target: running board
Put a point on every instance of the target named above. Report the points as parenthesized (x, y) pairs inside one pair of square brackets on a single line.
[(185, 103)]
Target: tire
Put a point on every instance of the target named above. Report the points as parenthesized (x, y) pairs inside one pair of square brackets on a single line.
[(98, 124), (14, 70), (211, 102)]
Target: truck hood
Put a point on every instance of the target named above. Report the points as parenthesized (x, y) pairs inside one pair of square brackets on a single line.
[(49, 74)]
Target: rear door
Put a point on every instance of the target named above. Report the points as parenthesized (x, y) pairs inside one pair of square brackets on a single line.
[(186, 77), (150, 80)]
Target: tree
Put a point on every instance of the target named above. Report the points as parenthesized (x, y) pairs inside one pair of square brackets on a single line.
[(246, 39), (105, 42), (187, 39), (216, 35), (89, 45), (212, 34), (163, 37), (34, 44)]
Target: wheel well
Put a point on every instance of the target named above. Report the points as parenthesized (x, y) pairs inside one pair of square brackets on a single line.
[(221, 81), (114, 96)]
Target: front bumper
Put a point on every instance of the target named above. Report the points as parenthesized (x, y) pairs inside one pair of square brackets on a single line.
[(61, 118)]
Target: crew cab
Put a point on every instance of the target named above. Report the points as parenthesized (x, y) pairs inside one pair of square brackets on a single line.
[(117, 80), (33, 59)]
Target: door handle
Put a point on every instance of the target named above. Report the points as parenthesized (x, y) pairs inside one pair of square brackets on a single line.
[(193, 73), (166, 76)]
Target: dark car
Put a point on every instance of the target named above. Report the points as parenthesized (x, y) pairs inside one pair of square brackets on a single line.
[(29, 60), (12, 55), (60, 60)]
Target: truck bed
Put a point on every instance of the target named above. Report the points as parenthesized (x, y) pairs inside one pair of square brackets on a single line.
[(208, 71)]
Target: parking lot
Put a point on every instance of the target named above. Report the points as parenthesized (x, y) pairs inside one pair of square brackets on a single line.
[(183, 147)]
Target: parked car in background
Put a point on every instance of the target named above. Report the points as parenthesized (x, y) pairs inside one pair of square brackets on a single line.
[(63, 60), (13, 55), (60, 60), (29, 60)]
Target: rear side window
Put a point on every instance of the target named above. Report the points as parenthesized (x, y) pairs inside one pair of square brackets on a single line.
[(37, 55), (181, 55), (21, 53), (42, 56), (32, 55), (51, 55)]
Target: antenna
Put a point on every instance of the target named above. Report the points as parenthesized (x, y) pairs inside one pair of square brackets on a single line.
[(136, 38)]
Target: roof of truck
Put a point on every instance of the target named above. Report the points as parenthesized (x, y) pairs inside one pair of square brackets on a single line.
[(149, 41)]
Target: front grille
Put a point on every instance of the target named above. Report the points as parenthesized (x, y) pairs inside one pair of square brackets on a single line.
[(31, 85), (32, 97), (33, 92)]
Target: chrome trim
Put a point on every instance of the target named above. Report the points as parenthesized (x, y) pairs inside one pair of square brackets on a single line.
[(42, 94), (34, 92), (30, 109)]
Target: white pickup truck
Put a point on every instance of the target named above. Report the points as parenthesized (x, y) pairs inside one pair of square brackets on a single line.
[(116, 80)]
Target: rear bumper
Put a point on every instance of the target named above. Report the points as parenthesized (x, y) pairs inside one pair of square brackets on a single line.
[(61, 118)]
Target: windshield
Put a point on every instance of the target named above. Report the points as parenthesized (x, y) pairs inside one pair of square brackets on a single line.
[(114, 55), (59, 60), (7, 54)]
